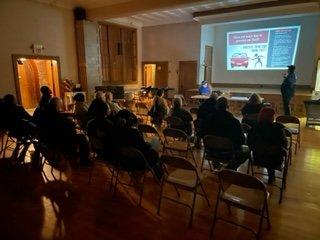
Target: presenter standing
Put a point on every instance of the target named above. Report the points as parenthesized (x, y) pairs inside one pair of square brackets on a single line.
[(287, 88)]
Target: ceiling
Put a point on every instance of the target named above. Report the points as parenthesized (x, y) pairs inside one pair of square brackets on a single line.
[(87, 4), (179, 14)]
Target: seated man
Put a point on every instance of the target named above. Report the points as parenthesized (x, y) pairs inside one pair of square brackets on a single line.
[(186, 117), (205, 88), (114, 107), (224, 124), (100, 97), (59, 132), (81, 110), (100, 131), (251, 110), (128, 135)]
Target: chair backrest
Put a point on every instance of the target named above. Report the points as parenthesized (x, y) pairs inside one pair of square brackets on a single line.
[(227, 177), (145, 128), (141, 105), (245, 127), (194, 110), (174, 133), (127, 155), (288, 119), (174, 122), (177, 162), (216, 142)]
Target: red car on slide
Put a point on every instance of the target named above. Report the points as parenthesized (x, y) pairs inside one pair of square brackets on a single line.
[(239, 60)]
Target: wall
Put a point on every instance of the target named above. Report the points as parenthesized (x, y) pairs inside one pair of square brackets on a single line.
[(172, 43), (307, 52), (23, 23)]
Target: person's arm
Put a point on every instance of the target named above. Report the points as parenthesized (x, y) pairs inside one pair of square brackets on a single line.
[(238, 134)]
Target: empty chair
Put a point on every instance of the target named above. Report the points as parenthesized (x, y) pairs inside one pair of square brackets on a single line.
[(174, 122), (245, 192), (182, 175), (218, 151), (288, 134), (142, 111), (294, 126), (177, 141)]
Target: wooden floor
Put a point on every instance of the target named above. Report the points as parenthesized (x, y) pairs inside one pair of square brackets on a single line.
[(33, 207)]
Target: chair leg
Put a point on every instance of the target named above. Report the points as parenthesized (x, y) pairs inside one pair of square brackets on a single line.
[(90, 174), (141, 189), (160, 197), (215, 215), (268, 216), (192, 207), (202, 162), (115, 184), (177, 191), (205, 194), (193, 158), (260, 224)]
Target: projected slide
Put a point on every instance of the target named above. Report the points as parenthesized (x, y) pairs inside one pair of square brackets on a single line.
[(262, 49)]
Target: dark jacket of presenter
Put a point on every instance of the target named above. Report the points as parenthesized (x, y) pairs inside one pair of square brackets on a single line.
[(287, 88)]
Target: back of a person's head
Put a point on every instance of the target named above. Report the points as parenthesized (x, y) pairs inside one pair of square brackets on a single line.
[(79, 97), (266, 115), (291, 68), (177, 103), (222, 104), (254, 99), (9, 100), (214, 96), (129, 117), (45, 90), (160, 92), (101, 95), (55, 104), (101, 109)]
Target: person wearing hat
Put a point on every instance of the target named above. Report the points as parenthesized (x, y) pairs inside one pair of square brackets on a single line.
[(287, 88), (205, 88)]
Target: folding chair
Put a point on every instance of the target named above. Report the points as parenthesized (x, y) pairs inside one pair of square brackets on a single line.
[(177, 141), (288, 134), (142, 110), (218, 151), (245, 192), (174, 122), (268, 151), (149, 133), (180, 173), (294, 126), (194, 110), (125, 156)]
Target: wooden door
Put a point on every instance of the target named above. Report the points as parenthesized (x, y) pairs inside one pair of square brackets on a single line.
[(115, 57), (161, 78), (188, 71), (127, 52)]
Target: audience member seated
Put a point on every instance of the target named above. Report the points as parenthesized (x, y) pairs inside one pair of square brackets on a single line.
[(81, 110), (46, 95), (114, 107), (205, 88), (59, 132), (185, 116), (100, 97), (224, 124), (128, 135), (159, 109), (100, 131), (271, 134), (251, 110)]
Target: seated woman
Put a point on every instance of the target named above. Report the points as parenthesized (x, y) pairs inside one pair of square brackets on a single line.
[(205, 88), (159, 109), (81, 110), (114, 107), (184, 115), (100, 98), (251, 110), (128, 135), (267, 134)]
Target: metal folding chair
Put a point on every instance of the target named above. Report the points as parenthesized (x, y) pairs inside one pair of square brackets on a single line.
[(245, 192), (180, 173)]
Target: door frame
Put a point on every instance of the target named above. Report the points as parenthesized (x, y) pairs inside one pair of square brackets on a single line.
[(15, 57), (143, 81), (179, 75)]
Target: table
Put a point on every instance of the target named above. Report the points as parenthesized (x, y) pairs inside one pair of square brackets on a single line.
[(233, 98), (313, 112)]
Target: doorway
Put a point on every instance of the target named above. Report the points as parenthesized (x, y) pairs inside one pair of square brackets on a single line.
[(155, 74), (33, 72), (187, 75)]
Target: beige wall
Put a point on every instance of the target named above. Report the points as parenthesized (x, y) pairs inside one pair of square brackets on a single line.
[(172, 43), (23, 23)]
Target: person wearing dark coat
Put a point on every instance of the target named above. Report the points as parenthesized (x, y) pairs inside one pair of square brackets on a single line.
[(186, 117), (251, 110), (127, 135), (224, 124), (270, 134), (46, 95), (288, 88)]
